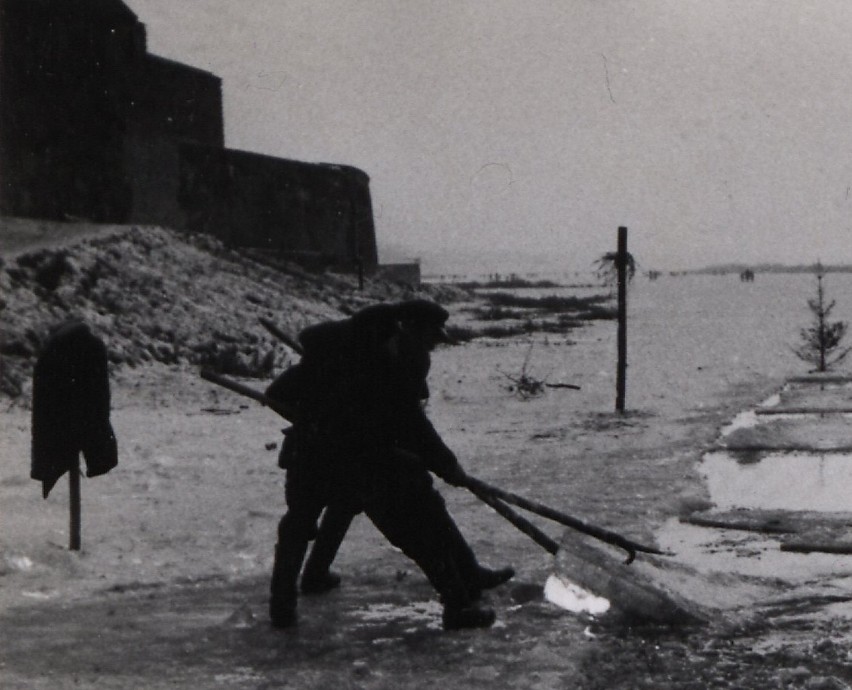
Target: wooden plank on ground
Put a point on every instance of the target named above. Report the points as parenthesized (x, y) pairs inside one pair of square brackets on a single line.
[(768, 522), (812, 399), (811, 434), (802, 410), (826, 537), (809, 546), (800, 524), (821, 378)]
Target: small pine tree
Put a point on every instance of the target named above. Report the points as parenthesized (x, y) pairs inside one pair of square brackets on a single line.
[(822, 339)]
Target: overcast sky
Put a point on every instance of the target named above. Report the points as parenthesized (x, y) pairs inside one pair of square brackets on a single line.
[(528, 131)]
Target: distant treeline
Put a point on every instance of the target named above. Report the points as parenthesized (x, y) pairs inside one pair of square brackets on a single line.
[(592, 304), (723, 269), (512, 315), (514, 283)]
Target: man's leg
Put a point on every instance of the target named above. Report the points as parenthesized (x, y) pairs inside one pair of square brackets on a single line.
[(476, 576), (410, 514), (317, 576), (295, 530)]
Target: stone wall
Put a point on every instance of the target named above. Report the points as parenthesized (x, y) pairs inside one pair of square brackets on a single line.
[(314, 212), (95, 128), (65, 89)]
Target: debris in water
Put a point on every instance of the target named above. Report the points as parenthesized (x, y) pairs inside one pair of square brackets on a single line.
[(241, 618)]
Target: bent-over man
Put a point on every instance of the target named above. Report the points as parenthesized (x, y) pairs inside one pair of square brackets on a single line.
[(362, 442)]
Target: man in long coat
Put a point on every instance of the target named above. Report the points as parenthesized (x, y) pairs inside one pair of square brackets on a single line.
[(362, 442)]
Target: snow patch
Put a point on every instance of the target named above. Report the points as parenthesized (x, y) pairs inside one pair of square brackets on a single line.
[(572, 597)]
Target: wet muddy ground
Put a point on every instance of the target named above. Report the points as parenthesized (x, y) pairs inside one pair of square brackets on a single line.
[(151, 602), (170, 587)]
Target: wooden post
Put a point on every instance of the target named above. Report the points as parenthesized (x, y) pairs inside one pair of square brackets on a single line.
[(74, 502), (621, 378)]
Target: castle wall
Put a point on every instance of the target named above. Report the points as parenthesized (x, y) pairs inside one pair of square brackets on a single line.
[(63, 94), (93, 127), (286, 206), (153, 179), (177, 101), (171, 103)]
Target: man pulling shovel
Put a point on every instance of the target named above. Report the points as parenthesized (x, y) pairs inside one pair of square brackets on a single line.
[(361, 442)]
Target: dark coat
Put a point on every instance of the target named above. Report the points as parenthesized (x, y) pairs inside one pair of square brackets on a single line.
[(71, 407), (360, 383)]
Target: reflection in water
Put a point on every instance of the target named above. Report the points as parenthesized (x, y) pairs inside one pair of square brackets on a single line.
[(789, 481)]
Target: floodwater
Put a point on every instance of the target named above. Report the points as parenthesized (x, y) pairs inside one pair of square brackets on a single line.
[(678, 326), (784, 481), (818, 483)]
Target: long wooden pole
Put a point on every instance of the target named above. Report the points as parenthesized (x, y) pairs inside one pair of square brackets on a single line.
[(74, 503), (290, 340), (480, 487), (274, 405), (518, 521), (485, 495), (621, 378), (491, 495)]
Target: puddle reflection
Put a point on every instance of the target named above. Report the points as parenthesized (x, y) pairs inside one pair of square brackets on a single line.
[(789, 481)]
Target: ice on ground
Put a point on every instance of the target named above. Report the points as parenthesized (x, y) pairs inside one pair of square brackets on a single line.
[(572, 597), (17, 562), (772, 401), (428, 611), (744, 420)]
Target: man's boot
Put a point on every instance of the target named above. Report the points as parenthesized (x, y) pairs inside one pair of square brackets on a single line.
[(431, 553), (472, 616), (317, 577), (460, 611), (285, 574), (477, 577)]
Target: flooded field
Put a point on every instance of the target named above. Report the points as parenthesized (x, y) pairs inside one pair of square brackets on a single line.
[(178, 540), (791, 481), (787, 480)]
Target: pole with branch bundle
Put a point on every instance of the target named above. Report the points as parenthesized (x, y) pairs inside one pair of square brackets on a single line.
[(618, 268)]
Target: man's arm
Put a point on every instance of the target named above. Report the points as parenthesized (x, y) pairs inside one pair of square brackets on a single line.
[(416, 433)]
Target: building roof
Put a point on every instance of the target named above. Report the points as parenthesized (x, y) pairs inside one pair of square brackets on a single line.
[(166, 62), (112, 9)]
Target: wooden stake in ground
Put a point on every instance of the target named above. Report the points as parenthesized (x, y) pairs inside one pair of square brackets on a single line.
[(75, 522), (70, 414), (621, 264)]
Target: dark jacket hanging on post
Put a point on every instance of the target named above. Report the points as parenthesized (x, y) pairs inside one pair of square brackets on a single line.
[(71, 406)]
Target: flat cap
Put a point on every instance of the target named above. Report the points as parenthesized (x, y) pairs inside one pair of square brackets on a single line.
[(423, 313)]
